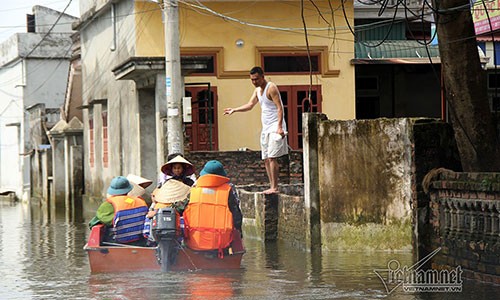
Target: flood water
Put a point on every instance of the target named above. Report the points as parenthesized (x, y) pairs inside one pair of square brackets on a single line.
[(41, 259)]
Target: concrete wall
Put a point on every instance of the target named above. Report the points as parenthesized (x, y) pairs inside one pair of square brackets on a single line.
[(46, 17), (367, 178), (47, 81), (11, 111), (38, 137), (54, 45), (271, 217), (118, 98), (464, 223), (89, 7), (33, 69), (67, 167), (147, 127)]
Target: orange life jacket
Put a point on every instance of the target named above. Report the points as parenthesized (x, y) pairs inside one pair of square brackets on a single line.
[(209, 222), (128, 220)]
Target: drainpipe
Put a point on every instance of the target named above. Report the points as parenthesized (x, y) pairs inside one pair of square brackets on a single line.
[(113, 26)]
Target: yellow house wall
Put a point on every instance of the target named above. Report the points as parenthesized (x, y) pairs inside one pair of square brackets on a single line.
[(203, 28)]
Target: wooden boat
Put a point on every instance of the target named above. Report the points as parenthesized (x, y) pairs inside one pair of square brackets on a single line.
[(109, 257)]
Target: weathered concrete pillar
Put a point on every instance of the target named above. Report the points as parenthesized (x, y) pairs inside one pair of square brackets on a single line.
[(148, 167), (58, 197), (64, 136), (76, 180), (271, 217), (161, 121), (46, 163), (310, 124)]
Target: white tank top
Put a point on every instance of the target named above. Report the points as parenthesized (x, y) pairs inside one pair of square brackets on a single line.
[(269, 114)]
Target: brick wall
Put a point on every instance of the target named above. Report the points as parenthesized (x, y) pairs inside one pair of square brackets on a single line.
[(464, 217), (292, 222), (279, 216), (247, 167)]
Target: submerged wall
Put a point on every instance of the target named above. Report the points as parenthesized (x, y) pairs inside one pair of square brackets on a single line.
[(361, 179), (278, 216), (464, 223)]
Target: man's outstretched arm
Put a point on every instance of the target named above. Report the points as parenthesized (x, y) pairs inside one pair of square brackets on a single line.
[(245, 107)]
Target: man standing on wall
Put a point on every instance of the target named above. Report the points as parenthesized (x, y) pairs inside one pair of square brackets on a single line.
[(273, 136)]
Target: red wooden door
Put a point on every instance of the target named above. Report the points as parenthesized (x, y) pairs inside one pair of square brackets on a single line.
[(296, 101), (202, 131)]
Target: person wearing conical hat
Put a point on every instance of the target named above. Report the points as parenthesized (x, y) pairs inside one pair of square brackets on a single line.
[(139, 185), (178, 168), (172, 193)]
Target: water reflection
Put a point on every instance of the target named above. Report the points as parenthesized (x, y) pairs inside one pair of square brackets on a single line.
[(42, 258)]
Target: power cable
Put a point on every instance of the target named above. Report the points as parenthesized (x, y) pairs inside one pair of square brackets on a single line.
[(49, 31), (307, 46)]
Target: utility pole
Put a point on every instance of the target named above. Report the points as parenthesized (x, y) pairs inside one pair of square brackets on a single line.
[(173, 79)]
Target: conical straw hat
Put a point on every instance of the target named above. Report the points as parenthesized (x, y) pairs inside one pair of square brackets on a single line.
[(188, 167), (137, 190), (172, 191), (140, 181), (139, 185)]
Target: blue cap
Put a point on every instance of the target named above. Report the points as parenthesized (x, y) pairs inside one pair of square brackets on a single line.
[(119, 186), (213, 167)]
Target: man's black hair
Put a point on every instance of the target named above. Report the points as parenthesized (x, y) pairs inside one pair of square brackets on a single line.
[(257, 70)]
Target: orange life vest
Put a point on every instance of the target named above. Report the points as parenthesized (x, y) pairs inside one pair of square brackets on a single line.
[(209, 222), (128, 220)]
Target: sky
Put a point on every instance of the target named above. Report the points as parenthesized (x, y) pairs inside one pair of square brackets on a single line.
[(13, 13)]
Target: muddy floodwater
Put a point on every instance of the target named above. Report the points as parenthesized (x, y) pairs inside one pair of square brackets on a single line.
[(44, 259)]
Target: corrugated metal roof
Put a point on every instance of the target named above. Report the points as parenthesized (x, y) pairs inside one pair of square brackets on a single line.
[(370, 31), (393, 49)]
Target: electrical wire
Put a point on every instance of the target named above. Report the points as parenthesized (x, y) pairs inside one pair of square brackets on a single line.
[(307, 46), (49, 31)]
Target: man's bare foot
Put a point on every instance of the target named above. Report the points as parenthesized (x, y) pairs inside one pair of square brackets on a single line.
[(270, 191)]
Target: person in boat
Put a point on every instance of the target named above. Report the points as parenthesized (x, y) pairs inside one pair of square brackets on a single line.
[(177, 168), (122, 214), (173, 193), (139, 184), (213, 211)]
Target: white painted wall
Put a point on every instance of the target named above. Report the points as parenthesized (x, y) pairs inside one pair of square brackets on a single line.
[(34, 69), (46, 82), (99, 83), (46, 17), (11, 111)]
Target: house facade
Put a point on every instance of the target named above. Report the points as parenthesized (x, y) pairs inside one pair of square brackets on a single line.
[(487, 28), (398, 70), (33, 70), (123, 76)]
